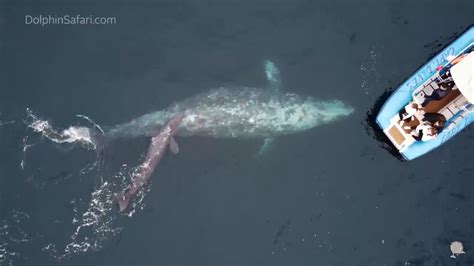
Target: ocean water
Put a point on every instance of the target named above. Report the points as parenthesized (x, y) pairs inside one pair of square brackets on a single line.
[(332, 195)]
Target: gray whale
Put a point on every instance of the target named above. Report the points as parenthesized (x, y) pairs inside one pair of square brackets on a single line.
[(240, 112), (234, 112)]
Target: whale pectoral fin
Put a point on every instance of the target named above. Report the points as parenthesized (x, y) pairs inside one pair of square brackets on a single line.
[(266, 147), (174, 146), (122, 200), (273, 76)]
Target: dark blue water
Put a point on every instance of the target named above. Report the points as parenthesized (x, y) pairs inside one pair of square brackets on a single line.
[(329, 196)]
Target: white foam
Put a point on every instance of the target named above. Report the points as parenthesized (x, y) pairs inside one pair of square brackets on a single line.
[(73, 134), (96, 224), (92, 122), (93, 226)]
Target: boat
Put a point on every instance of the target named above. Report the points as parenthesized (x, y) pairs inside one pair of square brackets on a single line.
[(435, 103)]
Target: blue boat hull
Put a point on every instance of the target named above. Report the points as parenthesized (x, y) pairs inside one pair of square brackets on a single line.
[(403, 95)]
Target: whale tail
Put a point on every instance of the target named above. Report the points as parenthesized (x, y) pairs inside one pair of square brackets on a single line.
[(122, 200)]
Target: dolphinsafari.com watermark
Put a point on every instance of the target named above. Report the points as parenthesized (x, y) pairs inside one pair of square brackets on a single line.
[(69, 20)]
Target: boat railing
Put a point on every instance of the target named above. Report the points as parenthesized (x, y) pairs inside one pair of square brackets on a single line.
[(460, 116)]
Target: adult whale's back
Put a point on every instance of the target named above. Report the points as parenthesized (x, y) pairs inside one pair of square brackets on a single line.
[(239, 112)]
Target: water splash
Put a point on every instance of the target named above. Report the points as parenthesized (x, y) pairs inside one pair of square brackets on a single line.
[(126, 176), (96, 224), (73, 134), (92, 122)]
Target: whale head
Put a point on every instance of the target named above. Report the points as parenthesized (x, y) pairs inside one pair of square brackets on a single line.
[(310, 113), (327, 111)]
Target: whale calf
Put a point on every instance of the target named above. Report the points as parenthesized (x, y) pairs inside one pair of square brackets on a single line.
[(156, 150)]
